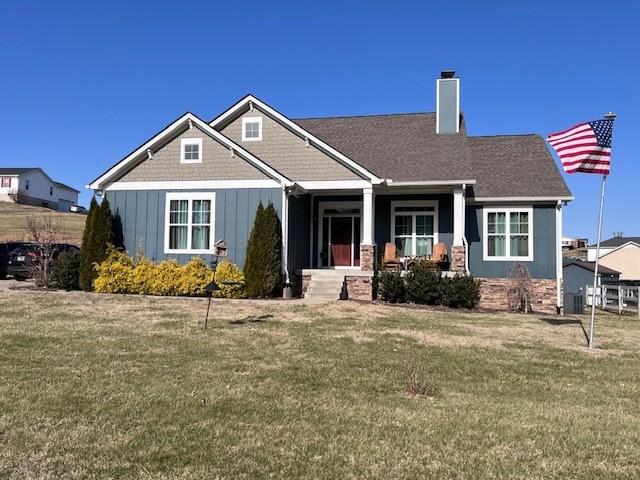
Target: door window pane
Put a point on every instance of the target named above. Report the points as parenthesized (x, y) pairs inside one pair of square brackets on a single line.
[(424, 225), (404, 224)]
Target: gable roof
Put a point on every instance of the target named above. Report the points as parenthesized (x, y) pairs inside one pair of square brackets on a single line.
[(515, 166), (16, 171), (170, 132), (62, 185), (590, 266), (617, 242), (399, 147), (251, 101)]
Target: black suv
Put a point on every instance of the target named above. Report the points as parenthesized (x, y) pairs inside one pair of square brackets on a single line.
[(5, 249), (21, 259)]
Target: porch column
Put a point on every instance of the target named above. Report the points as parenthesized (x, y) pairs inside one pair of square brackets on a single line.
[(367, 248), (458, 250)]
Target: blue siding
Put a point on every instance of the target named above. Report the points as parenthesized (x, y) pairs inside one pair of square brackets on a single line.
[(141, 214), (544, 245), (575, 279), (299, 228)]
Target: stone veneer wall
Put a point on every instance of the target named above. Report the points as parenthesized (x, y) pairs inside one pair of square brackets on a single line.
[(493, 294), (359, 288), (458, 257)]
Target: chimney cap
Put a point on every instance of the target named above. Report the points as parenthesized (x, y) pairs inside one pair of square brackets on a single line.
[(447, 73)]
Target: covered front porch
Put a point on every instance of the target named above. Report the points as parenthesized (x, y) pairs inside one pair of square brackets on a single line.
[(348, 229)]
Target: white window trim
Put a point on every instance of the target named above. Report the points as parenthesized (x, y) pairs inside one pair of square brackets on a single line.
[(190, 141), (190, 196), (417, 203), (246, 120), (485, 234)]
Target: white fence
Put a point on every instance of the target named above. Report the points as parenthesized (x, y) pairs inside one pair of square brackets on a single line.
[(615, 298)]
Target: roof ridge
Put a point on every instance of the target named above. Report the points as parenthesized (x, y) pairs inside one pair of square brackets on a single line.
[(331, 117), (472, 137)]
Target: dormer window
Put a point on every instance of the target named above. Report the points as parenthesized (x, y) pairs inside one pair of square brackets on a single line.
[(251, 129), (191, 150)]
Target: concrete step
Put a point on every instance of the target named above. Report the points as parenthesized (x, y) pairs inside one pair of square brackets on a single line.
[(327, 297)]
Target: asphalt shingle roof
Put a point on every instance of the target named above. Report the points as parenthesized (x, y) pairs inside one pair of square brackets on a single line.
[(590, 266), (618, 241), (406, 147), (15, 171)]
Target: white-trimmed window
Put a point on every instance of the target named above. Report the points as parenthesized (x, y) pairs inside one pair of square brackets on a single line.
[(508, 233), (191, 150), (6, 182), (414, 227), (251, 129), (189, 222)]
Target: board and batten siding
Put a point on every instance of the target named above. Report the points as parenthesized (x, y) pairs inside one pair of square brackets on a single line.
[(141, 214), (299, 242), (544, 244)]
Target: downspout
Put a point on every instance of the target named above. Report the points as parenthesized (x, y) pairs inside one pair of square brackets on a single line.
[(285, 233), (464, 228)]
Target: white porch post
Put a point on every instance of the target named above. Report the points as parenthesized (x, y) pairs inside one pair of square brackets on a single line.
[(458, 218), (367, 216)]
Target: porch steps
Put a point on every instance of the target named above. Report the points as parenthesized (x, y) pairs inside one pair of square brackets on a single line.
[(326, 285)]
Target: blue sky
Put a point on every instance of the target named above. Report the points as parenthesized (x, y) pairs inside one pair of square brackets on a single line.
[(82, 84)]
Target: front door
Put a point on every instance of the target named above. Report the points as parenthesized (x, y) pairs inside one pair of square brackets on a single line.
[(341, 241)]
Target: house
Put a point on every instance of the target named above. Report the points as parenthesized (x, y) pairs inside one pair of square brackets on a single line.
[(32, 186), (569, 243), (344, 187), (577, 274), (619, 253)]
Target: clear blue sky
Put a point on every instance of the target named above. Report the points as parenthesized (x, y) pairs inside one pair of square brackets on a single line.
[(83, 83)]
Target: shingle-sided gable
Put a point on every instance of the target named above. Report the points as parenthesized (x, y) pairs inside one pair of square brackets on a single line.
[(287, 152), (217, 163)]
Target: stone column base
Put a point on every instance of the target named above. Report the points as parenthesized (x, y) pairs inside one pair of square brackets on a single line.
[(359, 288), (458, 259), (367, 257)]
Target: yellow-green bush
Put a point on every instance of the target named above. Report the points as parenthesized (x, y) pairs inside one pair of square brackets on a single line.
[(121, 274), (230, 279)]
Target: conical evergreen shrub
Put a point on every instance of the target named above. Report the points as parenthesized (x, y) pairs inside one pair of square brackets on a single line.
[(86, 255), (98, 234), (263, 262)]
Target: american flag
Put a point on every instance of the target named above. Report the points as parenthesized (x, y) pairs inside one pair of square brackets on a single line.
[(585, 148)]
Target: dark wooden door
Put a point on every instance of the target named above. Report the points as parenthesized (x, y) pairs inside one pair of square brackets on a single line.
[(341, 230)]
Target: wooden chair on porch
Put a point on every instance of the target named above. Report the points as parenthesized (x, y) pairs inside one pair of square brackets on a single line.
[(390, 259)]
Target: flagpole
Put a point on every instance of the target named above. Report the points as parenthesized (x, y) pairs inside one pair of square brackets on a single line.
[(608, 116)]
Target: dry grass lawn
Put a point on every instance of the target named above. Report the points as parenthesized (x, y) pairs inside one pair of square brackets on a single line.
[(13, 222), (96, 386)]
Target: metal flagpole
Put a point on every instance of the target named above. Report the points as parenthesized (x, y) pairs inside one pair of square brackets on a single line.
[(608, 116)]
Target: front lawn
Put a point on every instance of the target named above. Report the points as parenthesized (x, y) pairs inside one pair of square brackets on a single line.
[(96, 386)]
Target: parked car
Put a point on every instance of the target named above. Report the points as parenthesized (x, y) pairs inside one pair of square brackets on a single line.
[(5, 249), (77, 209), (23, 258)]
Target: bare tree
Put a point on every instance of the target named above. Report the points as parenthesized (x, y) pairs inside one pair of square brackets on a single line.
[(45, 232), (14, 196), (520, 288)]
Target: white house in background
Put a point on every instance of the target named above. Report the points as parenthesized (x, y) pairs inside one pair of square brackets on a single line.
[(32, 186), (619, 253)]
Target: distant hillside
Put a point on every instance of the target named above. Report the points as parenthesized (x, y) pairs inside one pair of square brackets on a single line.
[(13, 221)]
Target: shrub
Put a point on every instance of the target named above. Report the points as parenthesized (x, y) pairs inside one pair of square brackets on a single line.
[(65, 273), (391, 287), (230, 279), (96, 238), (423, 285), (121, 274), (460, 291), (262, 265)]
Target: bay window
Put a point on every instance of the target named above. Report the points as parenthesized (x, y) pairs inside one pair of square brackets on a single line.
[(508, 234), (413, 227), (189, 222)]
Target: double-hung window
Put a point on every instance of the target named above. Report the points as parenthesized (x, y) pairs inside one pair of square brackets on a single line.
[(251, 129), (189, 222), (191, 150), (508, 234), (6, 182), (414, 227)]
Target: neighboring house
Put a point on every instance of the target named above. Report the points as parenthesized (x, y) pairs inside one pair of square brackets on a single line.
[(32, 186), (620, 253), (577, 275), (344, 187), (573, 243)]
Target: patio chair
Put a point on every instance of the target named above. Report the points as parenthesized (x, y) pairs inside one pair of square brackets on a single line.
[(390, 260), (439, 253)]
